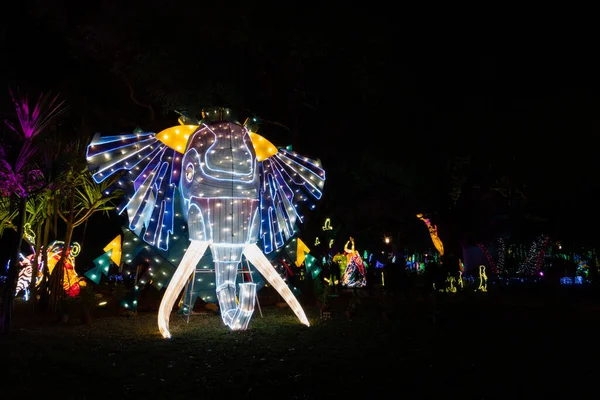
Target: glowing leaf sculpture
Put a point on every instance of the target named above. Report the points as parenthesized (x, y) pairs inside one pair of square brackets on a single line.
[(437, 242), (312, 267), (94, 275), (115, 248), (236, 190), (102, 267), (301, 252), (103, 262)]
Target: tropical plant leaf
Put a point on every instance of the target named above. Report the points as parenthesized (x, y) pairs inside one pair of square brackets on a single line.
[(33, 121), (90, 197)]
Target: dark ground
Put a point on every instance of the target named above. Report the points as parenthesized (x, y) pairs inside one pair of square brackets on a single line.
[(482, 345)]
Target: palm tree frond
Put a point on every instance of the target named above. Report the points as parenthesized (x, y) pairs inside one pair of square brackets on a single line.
[(33, 121)]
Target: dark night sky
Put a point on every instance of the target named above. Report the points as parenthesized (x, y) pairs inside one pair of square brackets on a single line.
[(419, 89)]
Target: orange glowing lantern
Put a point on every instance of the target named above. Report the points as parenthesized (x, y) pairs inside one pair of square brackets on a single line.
[(71, 282)]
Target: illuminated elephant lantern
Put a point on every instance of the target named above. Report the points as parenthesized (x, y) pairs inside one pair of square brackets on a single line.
[(236, 188)]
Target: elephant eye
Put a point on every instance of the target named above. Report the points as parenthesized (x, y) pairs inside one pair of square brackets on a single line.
[(189, 172)]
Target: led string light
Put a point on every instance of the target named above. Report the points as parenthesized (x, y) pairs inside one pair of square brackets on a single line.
[(231, 198), (500, 265), (150, 161), (185, 269), (279, 201), (535, 257), (488, 257)]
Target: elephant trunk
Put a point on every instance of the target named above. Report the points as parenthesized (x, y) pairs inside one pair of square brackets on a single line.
[(236, 314)]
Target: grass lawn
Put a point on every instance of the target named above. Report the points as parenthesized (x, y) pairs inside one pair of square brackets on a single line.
[(478, 346)]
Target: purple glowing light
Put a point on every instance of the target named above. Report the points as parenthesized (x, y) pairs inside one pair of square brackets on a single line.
[(32, 122)]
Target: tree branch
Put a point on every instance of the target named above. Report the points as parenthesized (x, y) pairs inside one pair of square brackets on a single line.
[(85, 216), (61, 215), (132, 96)]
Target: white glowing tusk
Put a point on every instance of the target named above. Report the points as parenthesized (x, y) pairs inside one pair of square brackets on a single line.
[(263, 265), (186, 267)]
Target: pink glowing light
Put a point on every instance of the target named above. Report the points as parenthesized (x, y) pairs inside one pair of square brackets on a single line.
[(32, 122), (18, 176)]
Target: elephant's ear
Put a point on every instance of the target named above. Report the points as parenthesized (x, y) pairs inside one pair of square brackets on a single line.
[(287, 180), (262, 147), (150, 170)]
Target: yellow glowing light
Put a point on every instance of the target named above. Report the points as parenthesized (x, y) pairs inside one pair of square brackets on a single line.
[(263, 148), (433, 232), (482, 279), (28, 233), (451, 281), (301, 251), (327, 225), (176, 137), (70, 277), (349, 249), (115, 246), (103, 303)]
